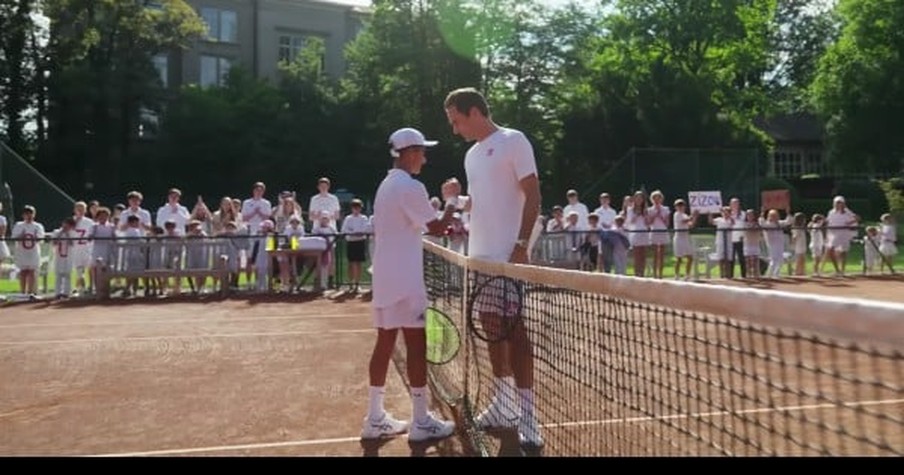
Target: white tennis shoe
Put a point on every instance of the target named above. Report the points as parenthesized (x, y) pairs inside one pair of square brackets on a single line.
[(498, 416), (387, 426), (430, 428), (529, 432)]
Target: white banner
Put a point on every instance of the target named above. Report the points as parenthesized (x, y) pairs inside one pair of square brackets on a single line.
[(705, 202)]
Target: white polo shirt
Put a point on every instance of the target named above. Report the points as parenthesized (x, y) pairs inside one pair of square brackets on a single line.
[(328, 203), (355, 225), (179, 214), (495, 167), (254, 221), (607, 216), (401, 212), (144, 217), (579, 208)]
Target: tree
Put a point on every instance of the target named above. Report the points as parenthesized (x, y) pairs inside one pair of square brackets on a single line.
[(17, 71), (101, 77), (803, 31), (669, 74), (399, 71), (858, 88)]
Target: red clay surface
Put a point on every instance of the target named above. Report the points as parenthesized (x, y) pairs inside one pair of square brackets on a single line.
[(888, 288), (228, 377), (258, 377)]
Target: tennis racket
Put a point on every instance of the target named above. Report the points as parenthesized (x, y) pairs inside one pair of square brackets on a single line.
[(443, 338), (495, 308)]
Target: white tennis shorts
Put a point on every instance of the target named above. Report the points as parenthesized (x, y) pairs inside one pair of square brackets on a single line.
[(405, 313)]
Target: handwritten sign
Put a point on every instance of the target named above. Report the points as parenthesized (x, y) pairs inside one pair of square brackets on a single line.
[(776, 199), (705, 202)]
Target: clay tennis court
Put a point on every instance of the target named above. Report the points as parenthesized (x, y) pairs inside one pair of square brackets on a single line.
[(231, 377), (251, 377)]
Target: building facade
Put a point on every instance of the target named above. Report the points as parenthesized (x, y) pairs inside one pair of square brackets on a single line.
[(257, 34)]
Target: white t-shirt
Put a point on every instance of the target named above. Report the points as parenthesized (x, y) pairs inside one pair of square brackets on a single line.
[(607, 216), (144, 217), (324, 203), (580, 209), (660, 220), (29, 233), (251, 219), (179, 214), (401, 212), (739, 226), (82, 231), (495, 167), (355, 224)]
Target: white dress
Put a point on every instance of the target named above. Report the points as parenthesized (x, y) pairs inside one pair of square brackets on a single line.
[(817, 241), (659, 234), (638, 231), (681, 242), (888, 237)]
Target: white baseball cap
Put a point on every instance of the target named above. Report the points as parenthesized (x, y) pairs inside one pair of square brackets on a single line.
[(408, 137)]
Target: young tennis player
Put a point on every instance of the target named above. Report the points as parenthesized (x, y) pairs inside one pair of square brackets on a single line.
[(401, 211), (504, 202)]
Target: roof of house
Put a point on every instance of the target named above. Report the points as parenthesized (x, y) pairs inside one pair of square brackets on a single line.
[(800, 127)]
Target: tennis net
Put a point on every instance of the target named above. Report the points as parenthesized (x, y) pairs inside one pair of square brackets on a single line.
[(631, 367)]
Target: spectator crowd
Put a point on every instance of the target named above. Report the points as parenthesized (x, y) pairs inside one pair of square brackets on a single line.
[(642, 229)]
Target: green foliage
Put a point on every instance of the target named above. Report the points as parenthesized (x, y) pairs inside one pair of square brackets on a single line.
[(101, 77), (858, 90), (669, 74), (894, 195)]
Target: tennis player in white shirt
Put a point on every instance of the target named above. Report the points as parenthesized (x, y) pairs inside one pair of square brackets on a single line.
[(402, 212), (504, 202)]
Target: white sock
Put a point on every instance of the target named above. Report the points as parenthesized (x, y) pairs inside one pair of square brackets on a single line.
[(376, 403), (419, 403), (527, 401)]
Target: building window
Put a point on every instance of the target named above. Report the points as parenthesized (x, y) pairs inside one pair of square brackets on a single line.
[(148, 123), (222, 25), (214, 70), (290, 46), (161, 64)]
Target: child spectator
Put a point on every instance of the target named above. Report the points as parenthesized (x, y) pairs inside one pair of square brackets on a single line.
[(723, 224), (291, 265), (752, 239), (457, 232), (871, 256), (575, 233), (620, 244), (355, 227), (889, 238), (658, 222), (591, 248), (556, 222), (135, 257), (102, 234), (681, 242), (259, 261), (27, 234), (81, 250), (4, 249), (775, 239), (637, 224), (197, 251), (64, 240), (817, 241), (172, 251), (231, 246), (799, 243), (324, 227)]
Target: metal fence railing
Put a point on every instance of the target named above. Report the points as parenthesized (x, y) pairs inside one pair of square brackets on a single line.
[(142, 265)]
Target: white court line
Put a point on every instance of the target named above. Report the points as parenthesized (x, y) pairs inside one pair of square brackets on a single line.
[(223, 448), (178, 337), (207, 320), (297, 443), (625, 420)]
